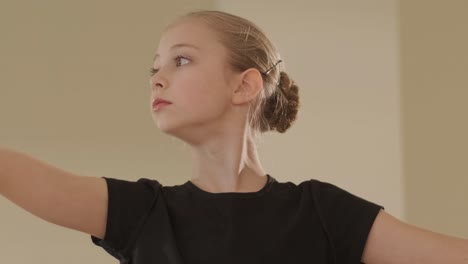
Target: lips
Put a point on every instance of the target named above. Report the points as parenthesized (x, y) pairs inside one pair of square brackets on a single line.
[(160, 101)]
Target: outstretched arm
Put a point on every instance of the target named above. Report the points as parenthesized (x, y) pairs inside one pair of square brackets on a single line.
[(57, 196), (392, 241)]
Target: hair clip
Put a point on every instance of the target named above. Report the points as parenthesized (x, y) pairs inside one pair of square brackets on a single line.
[(269, 70)]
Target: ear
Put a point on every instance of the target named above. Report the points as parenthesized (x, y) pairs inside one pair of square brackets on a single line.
[(250, 84)]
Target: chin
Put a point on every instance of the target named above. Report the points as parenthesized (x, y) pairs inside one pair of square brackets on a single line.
[(167, 127), (164, 127)]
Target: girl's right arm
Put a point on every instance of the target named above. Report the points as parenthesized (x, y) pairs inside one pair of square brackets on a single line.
[(57, 196)]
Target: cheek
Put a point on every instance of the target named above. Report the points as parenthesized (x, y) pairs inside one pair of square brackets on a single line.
[(204, 96), (205, 104)]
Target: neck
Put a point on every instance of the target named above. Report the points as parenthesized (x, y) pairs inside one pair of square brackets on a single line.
[(228, 164)]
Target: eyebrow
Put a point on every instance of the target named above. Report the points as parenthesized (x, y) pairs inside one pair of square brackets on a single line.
[(180, 45)]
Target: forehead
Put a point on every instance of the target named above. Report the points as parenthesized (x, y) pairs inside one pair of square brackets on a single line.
[(191, 32)]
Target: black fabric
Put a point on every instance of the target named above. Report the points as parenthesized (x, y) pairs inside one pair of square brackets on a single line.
[(309, 222)]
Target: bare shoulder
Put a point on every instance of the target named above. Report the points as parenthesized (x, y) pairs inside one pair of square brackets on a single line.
[(393, 241)]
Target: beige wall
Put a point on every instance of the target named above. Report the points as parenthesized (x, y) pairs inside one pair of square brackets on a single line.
[(434, 41)]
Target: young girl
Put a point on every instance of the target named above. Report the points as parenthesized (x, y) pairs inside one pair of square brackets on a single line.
[(217, 83)]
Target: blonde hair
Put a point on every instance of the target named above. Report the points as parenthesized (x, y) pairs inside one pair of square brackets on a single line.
[(249, 47)]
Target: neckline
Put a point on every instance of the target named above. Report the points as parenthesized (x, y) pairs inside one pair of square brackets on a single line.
[(263, 190)]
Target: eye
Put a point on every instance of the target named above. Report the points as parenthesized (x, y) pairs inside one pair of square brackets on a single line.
[(153, 71), (180, 58), (177, 59)]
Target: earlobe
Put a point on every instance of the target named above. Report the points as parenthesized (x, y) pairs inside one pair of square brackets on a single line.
[(249, 86)]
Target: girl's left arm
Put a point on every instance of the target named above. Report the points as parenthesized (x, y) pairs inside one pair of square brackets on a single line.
[(392, 241)]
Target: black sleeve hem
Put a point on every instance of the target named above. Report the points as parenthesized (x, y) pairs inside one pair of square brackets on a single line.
[(348, 219), (366, 228), (129, 204)]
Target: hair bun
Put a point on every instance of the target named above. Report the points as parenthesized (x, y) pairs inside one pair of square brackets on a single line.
[(282, 106)]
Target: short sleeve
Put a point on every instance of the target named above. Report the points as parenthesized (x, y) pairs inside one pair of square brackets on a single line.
[(347, 218), (129, 204)]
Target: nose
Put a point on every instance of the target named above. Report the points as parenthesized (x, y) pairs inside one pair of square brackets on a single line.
[(157, 81)]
